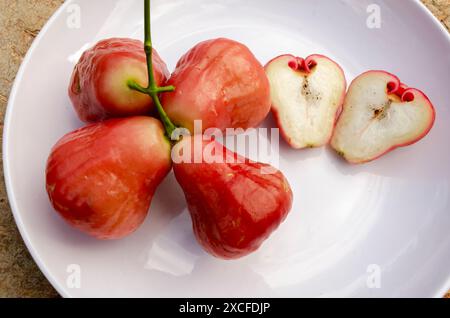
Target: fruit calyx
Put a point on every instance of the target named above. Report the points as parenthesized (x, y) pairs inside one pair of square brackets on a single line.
[(400, 90), (302, 65), (153, 90)]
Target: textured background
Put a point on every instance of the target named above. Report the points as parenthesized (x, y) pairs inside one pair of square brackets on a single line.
[(20, 22)]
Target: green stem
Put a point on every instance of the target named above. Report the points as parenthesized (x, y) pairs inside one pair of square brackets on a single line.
[(153, 90), (135, 86), (148, 44), (164, 89)]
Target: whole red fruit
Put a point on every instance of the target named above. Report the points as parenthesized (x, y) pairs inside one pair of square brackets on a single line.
[(221, 83), (235, 204), (99, 85), (101, 178)]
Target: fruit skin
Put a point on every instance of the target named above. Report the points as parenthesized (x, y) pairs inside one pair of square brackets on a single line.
[(101, 178), (398, 94), (277, 110), (220, 82), (99, 85), (234, 206)]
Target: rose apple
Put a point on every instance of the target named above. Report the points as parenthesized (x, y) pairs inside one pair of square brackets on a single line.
[(101, 178), (235, 204), (99, 87), (380, 114), (221, 83), (307, 95)]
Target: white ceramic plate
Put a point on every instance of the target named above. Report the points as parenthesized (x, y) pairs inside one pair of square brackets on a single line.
[(352, 228)]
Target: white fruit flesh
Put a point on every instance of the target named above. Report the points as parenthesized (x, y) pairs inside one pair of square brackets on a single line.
[(373, 121), (306, 104)]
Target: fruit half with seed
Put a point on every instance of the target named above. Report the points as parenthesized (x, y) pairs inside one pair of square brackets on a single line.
[(380, 114), (307, 95)]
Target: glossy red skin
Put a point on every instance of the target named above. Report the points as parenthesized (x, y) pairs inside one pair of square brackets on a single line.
[(404, 89), (90, 89), (234, 206), (101, 178), (338, 112), (221, 83)]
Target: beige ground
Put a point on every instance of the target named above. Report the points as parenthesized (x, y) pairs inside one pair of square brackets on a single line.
[(20, 21)]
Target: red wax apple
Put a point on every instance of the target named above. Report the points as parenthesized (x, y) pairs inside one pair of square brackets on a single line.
[(234, 204), (307, 95), (221, 83), (380, 114), (101, 178), (99, 87)]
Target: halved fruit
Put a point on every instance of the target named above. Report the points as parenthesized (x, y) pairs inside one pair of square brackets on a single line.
[(307, 95), (380, 114)]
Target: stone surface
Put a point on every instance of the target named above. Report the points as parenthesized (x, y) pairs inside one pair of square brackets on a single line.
[(440, 9), (20, 21)]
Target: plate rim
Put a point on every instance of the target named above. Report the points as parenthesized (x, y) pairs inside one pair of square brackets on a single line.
[(57, 285), (5, 154)]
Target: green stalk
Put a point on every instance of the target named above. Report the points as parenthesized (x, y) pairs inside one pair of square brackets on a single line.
[(153, 90)]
